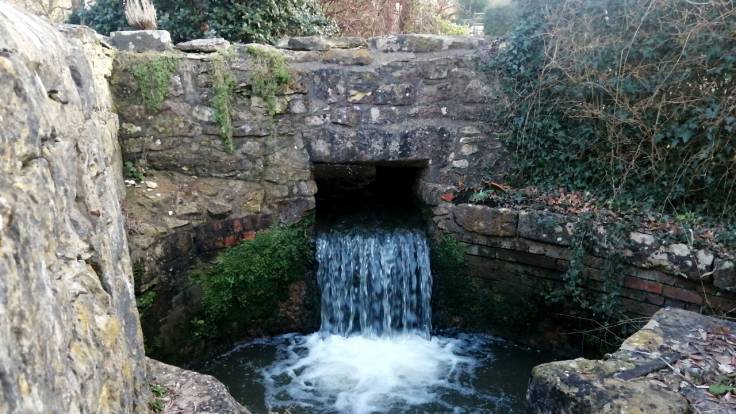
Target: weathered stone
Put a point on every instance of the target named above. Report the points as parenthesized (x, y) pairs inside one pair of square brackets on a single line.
[(315, 43), (621, 383), (498, 222), (583, 386), (545, 227), (70, 340), (359, 57), (189, 392), (204, 45), (142, 40), (724, 275)]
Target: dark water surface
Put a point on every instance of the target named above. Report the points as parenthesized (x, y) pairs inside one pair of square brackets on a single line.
[(457, 373)]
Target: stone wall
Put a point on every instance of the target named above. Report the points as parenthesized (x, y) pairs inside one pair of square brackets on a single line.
[(70, 339), (514, 255), (409, 100)]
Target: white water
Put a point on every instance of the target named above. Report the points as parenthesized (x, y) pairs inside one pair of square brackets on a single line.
[(374, 353), (368, 375)]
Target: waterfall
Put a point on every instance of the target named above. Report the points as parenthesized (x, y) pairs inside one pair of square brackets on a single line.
[(374, 352), (374, 282)]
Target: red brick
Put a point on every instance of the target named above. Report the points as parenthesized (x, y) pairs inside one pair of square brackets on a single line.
[(230, 241), (683, 295), (644, 285), (237, 226), (248, 235)]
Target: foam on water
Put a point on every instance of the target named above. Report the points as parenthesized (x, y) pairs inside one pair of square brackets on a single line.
[(359, 374)]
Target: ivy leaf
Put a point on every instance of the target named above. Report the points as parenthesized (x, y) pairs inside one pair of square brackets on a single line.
[(720, 389)]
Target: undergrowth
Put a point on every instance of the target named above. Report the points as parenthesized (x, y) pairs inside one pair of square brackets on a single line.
[(246, 282)]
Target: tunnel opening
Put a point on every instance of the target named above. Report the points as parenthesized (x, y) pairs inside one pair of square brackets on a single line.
[(382, 193)]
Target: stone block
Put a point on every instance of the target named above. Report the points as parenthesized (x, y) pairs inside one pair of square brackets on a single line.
[(142, 40), (204, 45), (498, 222), (546, 227), (724, 275)]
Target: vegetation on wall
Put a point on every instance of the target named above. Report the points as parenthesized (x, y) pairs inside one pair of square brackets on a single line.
[(632, 101), (270, 75), (263, 21), (152, 75), (246, 282), (223, 91)]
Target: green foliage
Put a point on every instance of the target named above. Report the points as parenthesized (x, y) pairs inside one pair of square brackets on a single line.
[(247, 281), (450, 28), (158, 390), (480, 196), (131, 171), (263, 21), (223, 85), (270, 75), (628, 100), (146, 300), (152, 75), (157, 405), (500, 20)]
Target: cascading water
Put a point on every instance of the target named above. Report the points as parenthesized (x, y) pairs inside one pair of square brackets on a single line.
[(375, 283), (374, 352)]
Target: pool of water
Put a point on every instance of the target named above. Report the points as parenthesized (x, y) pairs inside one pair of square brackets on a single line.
[(404, 373)]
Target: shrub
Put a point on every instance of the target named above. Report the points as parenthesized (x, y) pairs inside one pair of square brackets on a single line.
[(262, 21), (247, 281), (632, 101)]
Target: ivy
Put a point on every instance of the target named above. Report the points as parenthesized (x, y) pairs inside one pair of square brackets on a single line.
[(631, 101)]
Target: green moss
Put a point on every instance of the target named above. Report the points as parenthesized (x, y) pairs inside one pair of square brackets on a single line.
[(270, 75), (246, 282), (152, 75)]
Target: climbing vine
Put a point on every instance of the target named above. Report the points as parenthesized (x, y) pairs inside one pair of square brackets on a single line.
[(152, 75), (270, 75)]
